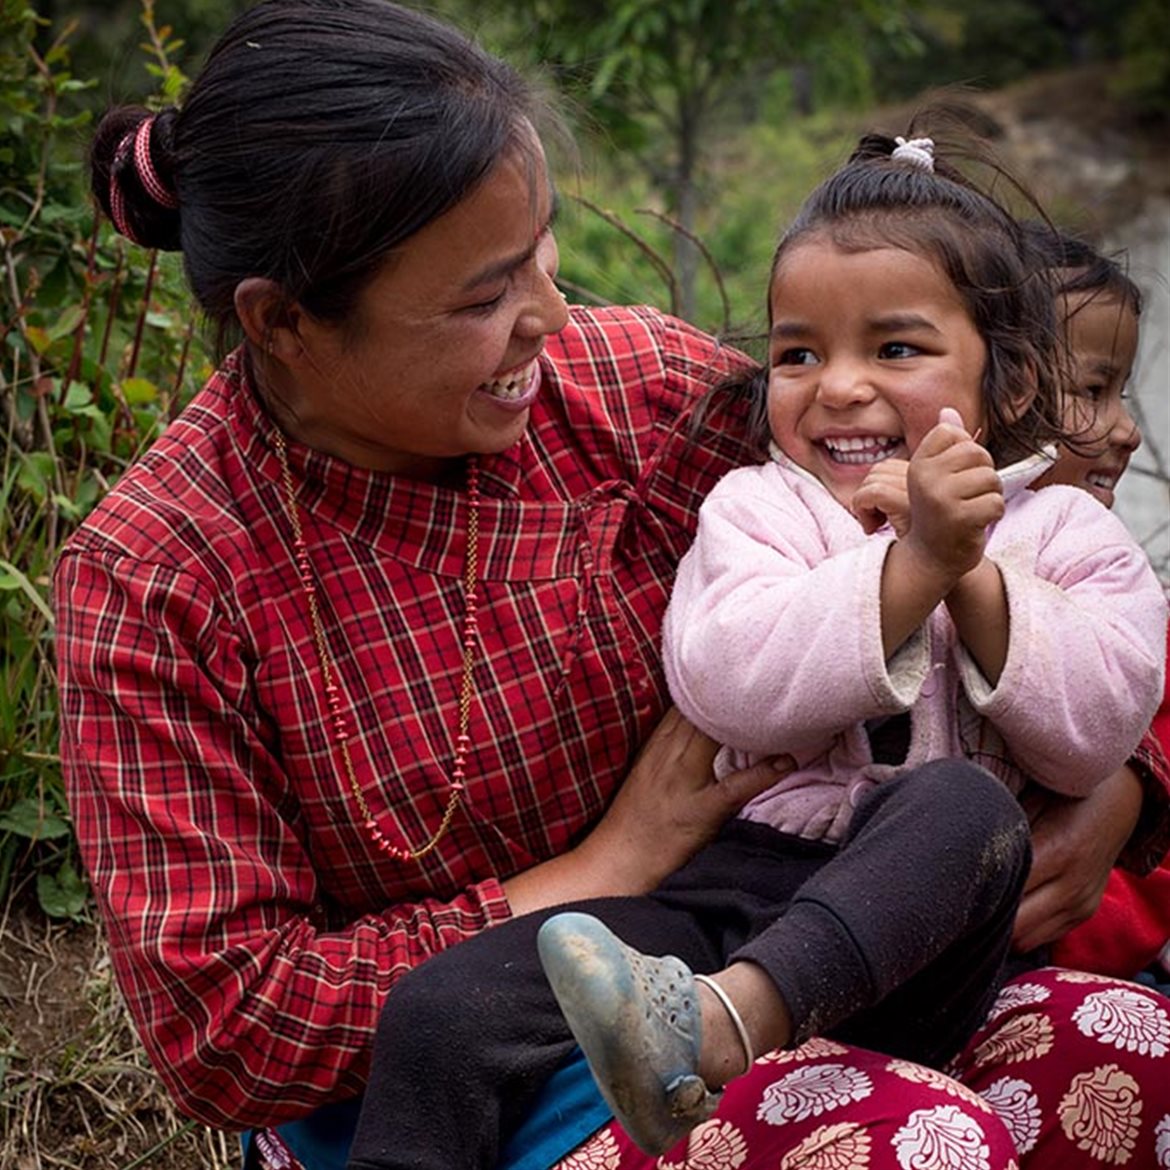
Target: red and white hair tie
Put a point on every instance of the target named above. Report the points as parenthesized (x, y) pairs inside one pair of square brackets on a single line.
[(117, 199), (135, 145), (147, 175)]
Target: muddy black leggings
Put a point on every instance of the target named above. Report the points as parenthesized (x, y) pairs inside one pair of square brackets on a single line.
[(894, 940)]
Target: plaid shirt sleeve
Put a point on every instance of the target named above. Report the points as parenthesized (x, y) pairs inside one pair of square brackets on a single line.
[(252, 1010)]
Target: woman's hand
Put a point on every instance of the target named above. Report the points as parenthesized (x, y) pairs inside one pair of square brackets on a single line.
[(669, 806), (1074, 844)]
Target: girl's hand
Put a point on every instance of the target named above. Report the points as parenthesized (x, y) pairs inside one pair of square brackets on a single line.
[(954, 494), (883, 498), (1074, 846), (668, 807)]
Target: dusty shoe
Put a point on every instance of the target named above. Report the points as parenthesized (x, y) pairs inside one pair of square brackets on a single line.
[(636, 1018)]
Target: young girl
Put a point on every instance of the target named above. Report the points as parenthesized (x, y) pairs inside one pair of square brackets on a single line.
[(1101, 309), (882, 600)]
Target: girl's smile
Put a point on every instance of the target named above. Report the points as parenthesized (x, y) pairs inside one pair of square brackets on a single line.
[(865, 349), (1102, 339)]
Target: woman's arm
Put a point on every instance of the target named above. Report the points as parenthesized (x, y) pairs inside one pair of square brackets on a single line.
[(254, 985), (1125, 822), (669, 805)]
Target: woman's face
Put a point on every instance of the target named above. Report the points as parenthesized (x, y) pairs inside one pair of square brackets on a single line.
[(438, 360), (1102, 338)]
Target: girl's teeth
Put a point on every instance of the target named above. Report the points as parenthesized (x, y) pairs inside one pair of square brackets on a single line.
[(1097, 479), (860, 450)]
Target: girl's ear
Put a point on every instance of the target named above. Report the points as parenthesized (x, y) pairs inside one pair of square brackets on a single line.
[(270, 321)]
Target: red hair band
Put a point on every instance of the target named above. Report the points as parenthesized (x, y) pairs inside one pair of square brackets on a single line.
[(148, 176), (117, 201), (136, 143)]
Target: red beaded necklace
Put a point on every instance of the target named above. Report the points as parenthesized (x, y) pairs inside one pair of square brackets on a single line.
[(331, 676)]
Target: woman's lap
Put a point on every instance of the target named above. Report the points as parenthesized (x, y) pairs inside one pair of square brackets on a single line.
[(1078, 1066), (1069, 1073)]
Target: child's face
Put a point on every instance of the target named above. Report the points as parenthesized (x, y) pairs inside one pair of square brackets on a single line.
[(865, 349), (1102, 338)]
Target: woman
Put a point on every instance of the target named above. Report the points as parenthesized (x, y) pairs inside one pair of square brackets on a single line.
[(362, 657)]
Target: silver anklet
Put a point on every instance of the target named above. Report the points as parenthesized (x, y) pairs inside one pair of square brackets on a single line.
[(736, 1019)]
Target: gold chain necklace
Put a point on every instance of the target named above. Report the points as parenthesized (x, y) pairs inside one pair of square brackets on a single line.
[(331, 675)]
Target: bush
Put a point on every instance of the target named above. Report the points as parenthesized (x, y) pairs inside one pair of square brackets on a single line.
[(97, 355)]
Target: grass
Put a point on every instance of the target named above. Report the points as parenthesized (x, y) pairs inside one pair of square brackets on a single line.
[(78, 1092)]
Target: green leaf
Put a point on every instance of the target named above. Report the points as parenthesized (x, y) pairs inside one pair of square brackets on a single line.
[(38, 338), (32, 592), (139, 391), (62, 895), (68, 508), (29, 818), (77, 396), (36, 472)]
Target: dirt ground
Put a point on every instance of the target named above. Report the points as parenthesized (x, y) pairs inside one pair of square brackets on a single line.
[(77, 1091)]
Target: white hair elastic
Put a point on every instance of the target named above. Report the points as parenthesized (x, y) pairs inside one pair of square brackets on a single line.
[(919, 152)]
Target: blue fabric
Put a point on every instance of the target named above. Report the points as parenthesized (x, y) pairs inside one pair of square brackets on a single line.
[(568, 1110)]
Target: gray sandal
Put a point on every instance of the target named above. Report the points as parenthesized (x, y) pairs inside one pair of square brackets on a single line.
[(636, 1018)]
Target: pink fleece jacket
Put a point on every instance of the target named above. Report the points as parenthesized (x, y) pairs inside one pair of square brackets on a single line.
[(772, 644)]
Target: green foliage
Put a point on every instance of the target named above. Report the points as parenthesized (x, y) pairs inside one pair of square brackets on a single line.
[(95, 358), (667, 78), (615, 242), (1144, 77)]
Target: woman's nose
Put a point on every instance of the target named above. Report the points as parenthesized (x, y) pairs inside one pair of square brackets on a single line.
[(546, 311)]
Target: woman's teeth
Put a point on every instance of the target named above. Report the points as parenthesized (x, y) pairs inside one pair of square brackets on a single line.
[(512, 386), (858, 449)]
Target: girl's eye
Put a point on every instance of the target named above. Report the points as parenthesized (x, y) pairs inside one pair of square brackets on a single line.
[(795, 357), (898, 349), (1093, 393)]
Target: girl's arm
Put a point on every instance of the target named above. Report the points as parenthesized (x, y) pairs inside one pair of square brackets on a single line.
[(773, 641), (1083, 671)]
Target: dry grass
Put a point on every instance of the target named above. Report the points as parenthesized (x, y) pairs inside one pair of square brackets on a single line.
[(77, 1091)]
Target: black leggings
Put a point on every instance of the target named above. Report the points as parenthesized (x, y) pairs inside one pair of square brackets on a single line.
[(893, 940)]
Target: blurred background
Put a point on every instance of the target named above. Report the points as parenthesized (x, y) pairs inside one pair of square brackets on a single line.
[(697, 127)]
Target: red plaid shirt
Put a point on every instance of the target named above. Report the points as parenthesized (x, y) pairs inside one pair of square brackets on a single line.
[(254, 926)]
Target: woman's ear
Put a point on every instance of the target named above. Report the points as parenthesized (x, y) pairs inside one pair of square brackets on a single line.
[(268, 318)]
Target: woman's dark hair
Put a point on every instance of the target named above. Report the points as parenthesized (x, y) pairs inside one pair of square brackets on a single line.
[(1075, 266), (318, 136), (877, 201)]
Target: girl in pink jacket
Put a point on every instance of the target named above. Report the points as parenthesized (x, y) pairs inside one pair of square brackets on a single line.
[(881, 592)]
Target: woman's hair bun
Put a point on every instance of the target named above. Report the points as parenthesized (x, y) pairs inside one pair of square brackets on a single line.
[(132, 175)]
